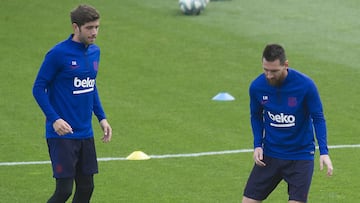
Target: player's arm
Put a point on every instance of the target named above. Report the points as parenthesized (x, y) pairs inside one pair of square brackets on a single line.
[(45, 75), (316, 111), (257, 125), (256, 119), (313, 102), (97, 108), (100, 114)]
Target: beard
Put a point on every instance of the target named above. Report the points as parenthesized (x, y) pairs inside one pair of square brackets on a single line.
[(87, 40), (274, 82)]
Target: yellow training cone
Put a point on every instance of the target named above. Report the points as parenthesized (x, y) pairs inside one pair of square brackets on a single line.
[(138, 155)]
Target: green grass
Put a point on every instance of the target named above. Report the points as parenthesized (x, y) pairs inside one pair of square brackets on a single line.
[(158, 73)]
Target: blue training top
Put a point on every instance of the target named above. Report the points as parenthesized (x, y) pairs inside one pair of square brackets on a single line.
[(284, 118), (65, 87)]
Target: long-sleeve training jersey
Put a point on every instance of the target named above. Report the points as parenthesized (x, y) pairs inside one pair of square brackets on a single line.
[(284, 118), (65, 87)]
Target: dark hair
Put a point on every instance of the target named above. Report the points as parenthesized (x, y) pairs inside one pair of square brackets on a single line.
[(273, 52), (84, 14)]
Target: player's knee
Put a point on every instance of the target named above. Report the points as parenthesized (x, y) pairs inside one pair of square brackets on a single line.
[(63, 190), (85, 188), (85, 184), (60, 195), (83, 193), (63, 194)]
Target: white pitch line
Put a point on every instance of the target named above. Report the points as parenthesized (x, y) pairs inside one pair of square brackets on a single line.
[(343, 146), (167, 155), (200, 154)]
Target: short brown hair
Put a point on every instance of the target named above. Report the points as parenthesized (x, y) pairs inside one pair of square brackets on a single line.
[(273, 52), (84, 14)]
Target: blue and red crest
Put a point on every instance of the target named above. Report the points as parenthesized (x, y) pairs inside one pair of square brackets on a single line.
[(292, 101)]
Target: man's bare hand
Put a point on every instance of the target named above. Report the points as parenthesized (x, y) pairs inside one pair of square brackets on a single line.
[(259, 156), (107, 130), (325, 159), (61, 127)]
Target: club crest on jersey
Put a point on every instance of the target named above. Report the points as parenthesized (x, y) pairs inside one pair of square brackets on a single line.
[(292, 101)]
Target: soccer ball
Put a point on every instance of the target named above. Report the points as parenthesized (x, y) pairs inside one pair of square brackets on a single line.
[(192, 7)]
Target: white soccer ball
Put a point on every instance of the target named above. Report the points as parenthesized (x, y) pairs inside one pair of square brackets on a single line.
[(191, 7)]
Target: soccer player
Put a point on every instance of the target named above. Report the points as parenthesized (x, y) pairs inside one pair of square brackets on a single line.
[(286, 110), (65, 89)]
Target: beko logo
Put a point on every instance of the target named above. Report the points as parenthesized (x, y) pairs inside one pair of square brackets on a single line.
[(87, 83), (282, 120)]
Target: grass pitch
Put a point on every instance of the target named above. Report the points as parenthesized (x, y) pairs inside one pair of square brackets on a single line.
[(159, 70)]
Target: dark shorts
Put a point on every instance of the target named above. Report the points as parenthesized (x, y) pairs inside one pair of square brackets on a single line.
[(263, 180), (72, 157)]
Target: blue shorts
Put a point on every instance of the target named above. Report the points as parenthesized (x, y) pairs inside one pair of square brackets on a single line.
[(263, 180), (72, 157)]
